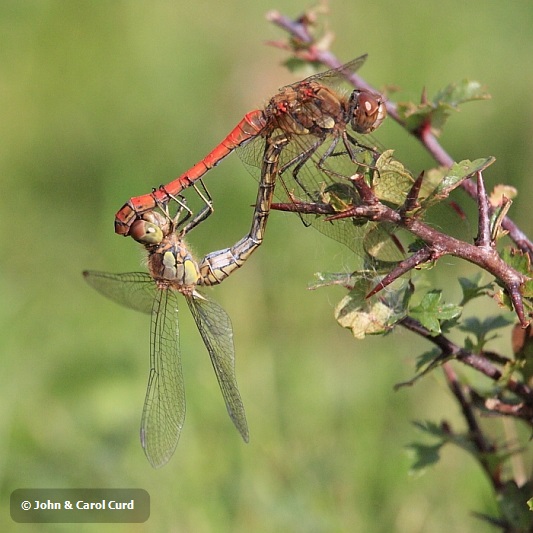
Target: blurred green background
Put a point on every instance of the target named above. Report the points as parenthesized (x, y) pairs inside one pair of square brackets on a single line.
[(102, 101)]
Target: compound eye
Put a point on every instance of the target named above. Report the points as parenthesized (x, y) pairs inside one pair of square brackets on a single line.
[(146, 232)]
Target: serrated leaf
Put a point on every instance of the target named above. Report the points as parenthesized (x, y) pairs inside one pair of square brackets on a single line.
[(339, 195), (427, 358), (431, 311), (518, 260), (482, 327), (424, 455), (432, 428), (472, 289), (437, 111), (393, 181), (441, 181), (456, 94), (430, 360), (296, 65)]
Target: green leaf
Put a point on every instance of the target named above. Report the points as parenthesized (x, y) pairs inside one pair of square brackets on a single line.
[(436, 112), (496, 221), (424, 455), (430, 360), (512, 502), (295, 64), (431, 311), (440, 182), (518, 260), (393, 181), (472, 288), (459, 93), (481, 329), (427, 358)]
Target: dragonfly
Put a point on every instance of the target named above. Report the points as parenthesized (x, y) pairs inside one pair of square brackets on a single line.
[(315, 117), (173, 273)]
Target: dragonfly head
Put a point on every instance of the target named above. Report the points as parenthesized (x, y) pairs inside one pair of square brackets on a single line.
[(367, 111)]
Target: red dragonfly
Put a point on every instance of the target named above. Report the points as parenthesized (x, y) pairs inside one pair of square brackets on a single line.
[(313, 115)]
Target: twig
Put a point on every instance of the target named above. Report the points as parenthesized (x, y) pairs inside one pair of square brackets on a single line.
[(478, 438), (475, 361)]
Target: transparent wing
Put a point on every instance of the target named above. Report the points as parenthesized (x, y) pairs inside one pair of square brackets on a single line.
[(336, 76), (215, 327), (164, 406), (135, 290)]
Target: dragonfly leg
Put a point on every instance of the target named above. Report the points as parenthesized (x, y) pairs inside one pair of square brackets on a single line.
[(183, 207), (354, 147), (299, 161), (204, 212)]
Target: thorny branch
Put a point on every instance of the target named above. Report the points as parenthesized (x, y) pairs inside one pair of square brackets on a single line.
[(482, 253), (476, 361)]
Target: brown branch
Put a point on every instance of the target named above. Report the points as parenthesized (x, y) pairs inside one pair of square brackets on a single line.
[(476, 433), (438, 244)]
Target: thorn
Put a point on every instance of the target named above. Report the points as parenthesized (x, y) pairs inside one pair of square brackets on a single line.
[(516, 297), (423, 255), (424, 96), (411, 202), (365, 192)]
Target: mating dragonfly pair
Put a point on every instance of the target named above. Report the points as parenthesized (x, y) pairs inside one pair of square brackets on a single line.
[(301, 139)]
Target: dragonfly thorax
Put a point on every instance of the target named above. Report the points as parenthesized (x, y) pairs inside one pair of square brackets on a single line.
[(310, 109), (173, 266)]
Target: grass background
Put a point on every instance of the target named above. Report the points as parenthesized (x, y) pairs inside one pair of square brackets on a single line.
[(102, 101)]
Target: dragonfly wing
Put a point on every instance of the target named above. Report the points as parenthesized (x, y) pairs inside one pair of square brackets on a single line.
[(215, 328), (335, 76), (135, 290), (164, 406)]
